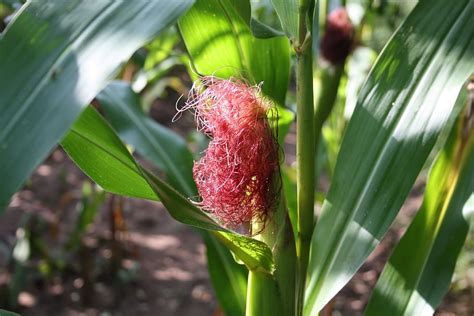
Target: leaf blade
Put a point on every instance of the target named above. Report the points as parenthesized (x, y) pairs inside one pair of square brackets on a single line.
[(48, 58), (96, 154), (157, 143)]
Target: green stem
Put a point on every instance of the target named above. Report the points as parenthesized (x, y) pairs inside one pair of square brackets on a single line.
[(304, 151)]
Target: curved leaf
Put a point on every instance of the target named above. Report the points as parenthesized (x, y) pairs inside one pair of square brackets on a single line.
[(420, 269), (54, 58), (406, 101), (155, 142), (92, 144)]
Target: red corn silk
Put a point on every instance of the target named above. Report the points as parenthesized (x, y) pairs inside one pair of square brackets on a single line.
[(338, 39), (236, 176)]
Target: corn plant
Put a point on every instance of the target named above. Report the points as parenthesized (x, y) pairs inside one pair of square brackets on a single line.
[(269, 252)]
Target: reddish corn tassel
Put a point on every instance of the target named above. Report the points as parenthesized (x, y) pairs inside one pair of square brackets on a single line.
[(338, 39), (237, 176)]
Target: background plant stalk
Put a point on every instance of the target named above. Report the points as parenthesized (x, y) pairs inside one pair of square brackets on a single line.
[(304, 150)]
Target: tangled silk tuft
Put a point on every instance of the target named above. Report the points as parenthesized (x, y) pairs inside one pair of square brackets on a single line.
[(238, 176)]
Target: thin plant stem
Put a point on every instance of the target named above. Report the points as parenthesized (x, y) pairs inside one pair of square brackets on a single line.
[(304, 150)]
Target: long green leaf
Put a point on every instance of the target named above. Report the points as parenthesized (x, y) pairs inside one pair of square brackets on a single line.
[(88, 137), (54, 58), (98, 151), (218, 36), (402, 107), (420, 269), (157, 143)]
